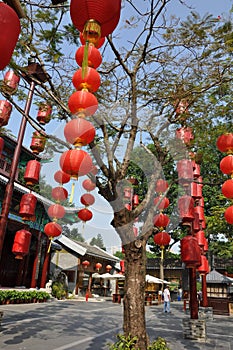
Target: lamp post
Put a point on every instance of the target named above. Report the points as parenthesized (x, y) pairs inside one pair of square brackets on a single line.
[(33, 70)]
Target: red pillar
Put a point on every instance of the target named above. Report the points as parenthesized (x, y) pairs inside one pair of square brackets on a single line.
[(45, 266), (204, 291), (193, 303), (35, 264)]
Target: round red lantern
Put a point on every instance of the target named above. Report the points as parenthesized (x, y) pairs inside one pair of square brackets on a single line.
[(59, 194), (161, 220), (91, 80), (76, 162), (229, 214), (32, 172), (226, 165), (105, 13), (200, 236), (9, 33), (5, 112), (38, 142), (27, 206), (227, 188), (98, 266), (97, 42), (11, 81), (204, 268), (85, 264), (61, 177), (21, 243), (44, 113), (190, 252), (161, 202), (185, 134), (161, 186), (85, 214), (87, 199), (88, 185), (186, 208), (79, 132), (56, 211), (225, 143), (52, 229), (83, 102), (108, 268), (162, 239), (94, 57)]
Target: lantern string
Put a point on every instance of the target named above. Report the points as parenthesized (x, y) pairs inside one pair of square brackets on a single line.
[(85, 60), (50, 243), (72, 193)]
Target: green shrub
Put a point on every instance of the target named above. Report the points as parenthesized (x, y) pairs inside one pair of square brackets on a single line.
[(26, 296), (129, 342), (58, 290), (159, 344)]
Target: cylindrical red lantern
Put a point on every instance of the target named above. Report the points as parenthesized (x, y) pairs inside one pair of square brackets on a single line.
[(56, 211), (85, 264), (161, 186), (87, 199), (128, 192), (21, 243), (9, 33), (61, 177), (185, 170), (83, 102), (27, 206), (59, 194), (135, 200), (161, 220), (204, 268), (32, 172), (90, 81), (122, 264), (5, 112), (196, 170), (44, 113), (200, 236), (88, 185), (76, 162), (227, 188), (11, 81), (200, 211), (94, 56), (128, 206), (206, 246), (186, 208), (98, 266), (161, 202), (79, 132), (85, 214), (38, 142), (196, 222), (226, 165), (190, 252), (225, 143), (1, 145), (185, 134), (52, 229), (162, 239), (105, 13), (229, 214), (196, 190)]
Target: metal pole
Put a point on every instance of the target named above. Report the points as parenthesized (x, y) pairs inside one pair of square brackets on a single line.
[(14, 165)]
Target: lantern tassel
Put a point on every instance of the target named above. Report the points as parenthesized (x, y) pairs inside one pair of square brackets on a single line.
[(50, 243), (85, 60), (72, 193)]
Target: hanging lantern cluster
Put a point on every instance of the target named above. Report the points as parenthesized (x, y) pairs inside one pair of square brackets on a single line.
[(225, 145), (87, 199)]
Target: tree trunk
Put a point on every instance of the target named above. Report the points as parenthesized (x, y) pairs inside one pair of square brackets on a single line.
[(134, 298)]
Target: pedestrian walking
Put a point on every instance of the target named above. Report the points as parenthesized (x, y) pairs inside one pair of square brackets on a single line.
[(167, 299)]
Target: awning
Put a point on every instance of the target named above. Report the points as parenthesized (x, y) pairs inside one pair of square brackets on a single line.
[(68, 243)]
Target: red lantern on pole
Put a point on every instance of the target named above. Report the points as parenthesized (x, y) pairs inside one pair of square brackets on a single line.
[(85, 214), (61, 177), (52, 229), (38, 142), (161, 202), (56, 211), (200, 236), (88, 185), (76, 162), (5, 112), (87, 199), (186, 208), (90, 81), (196, 170), (44, 113), (226, 165), (162, 238), (185, 170), (9, 33), (227, 188), (82, 102), (161, 220), (79, 132), (225, 143), (21, 243), (204, 267), (161, 186), (190, 252), (229, 214), (32, 172), (59, 194), (27, 206)]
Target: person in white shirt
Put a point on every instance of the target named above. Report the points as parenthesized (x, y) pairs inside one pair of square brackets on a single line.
[(167, 299)]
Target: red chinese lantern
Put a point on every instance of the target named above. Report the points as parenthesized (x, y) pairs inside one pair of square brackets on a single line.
[(135, 200), (9, 33), (27, 206), (98, 266), (161, 186), (38, 142), (88, 185), (44, 113), (206, 246), (185, 170), (87, 199), (21, 243), (190, 252), (186, 208), (122, 264), (200, 236), (196, 222), (100, 17), (229, 214), (196, 170), (200, 211), (32, 172), (226, 165), (76, 162), (161, 202), (162, 239), (61, 177), (225, 143), (79, 132), (5, 111), (85, 264), (59, 194), (90, 81), (97, 43), (11, 81), (85, 214), (56, 211), (94, 57), (161, 220), (204, 268), (196, 190), (108, 268), (128, 191), (83, 102), (1, 145), (52, 229), (128, 206), (185, 134), (227, 188)]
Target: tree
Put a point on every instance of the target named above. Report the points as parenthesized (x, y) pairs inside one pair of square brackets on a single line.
[(146, 75), (98, 241)]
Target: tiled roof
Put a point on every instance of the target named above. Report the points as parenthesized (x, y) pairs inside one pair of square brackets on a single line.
[(216, 277), (97, 252)]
